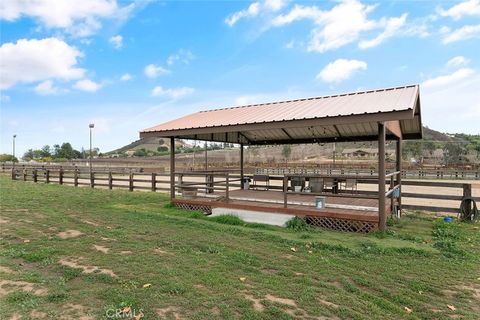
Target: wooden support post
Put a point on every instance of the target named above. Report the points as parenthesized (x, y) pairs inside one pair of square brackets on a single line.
[(60, 176), (392, 202), (206, 156), (154, 182), (47, 176), (398, 167), (24, 174), (285, 190), (382, 219), (467, 194), (14, 174), (34, 175), (241, 166), (92, 179), (75, 177), (172, 168), (130, 181), (110, 180), (227, 190)]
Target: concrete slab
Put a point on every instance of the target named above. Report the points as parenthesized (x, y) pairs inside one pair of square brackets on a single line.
[(275, 219)]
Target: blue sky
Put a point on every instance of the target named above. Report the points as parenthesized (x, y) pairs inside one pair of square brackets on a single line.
[(128, 65)]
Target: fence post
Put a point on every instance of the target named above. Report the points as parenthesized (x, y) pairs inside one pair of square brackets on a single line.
[(92, 179), (227, 191), (47, 176), (154, 182), (60, 176), (34, 175), (110, 180), (285, 190), (467, 194), (75, 177), (14, 174), (130, 182), (24, 174)]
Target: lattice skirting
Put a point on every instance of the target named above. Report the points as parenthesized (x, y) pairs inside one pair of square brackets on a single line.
[(194, 207), (341, 224)]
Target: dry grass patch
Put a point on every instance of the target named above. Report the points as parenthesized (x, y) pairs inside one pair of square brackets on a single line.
[(101, 248), (74, 263), (68, 234), (8, 286), (169, 311)]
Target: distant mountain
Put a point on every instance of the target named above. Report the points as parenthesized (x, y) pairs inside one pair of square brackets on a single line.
[(433, 135), (152, 144), (149, 144)]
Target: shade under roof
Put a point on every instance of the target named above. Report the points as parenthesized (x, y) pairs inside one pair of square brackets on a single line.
[(343, 117)]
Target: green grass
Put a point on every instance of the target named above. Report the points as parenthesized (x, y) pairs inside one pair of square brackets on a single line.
[(194, 264)]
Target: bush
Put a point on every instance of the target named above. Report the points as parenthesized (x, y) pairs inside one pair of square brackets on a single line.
[(297, 224)]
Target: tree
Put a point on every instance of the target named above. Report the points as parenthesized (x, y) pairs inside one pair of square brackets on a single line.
[(286, 152), (140, 153), (452, 153), (7, 157)]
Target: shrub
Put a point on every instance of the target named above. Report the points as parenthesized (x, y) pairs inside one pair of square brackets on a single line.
[(297, 224)]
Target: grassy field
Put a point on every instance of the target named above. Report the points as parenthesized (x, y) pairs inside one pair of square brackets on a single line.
[(78, 253)]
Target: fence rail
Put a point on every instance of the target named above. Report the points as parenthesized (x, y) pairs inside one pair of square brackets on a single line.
[(224, 182), (410, 173)]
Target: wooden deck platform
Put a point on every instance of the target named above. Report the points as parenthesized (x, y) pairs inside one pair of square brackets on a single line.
[(343, 213)]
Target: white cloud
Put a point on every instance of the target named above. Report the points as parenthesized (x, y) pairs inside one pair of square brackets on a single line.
[(116, 41), (153, 71), (392, 25), (126, 77), (254, 9), (454, 107), (341, 69), (341, 25), (46, 88), (173, 93), (463, 33), (79, 18), (184, 56), (465, 8), (35, 60), (449, 79), (87, 85), (458, 61)]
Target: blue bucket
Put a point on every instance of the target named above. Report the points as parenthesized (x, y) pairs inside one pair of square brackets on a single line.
[(448, 219)]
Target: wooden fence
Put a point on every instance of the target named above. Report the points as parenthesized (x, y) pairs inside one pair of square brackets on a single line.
[(360, 170), (457, 174), (131, 181)]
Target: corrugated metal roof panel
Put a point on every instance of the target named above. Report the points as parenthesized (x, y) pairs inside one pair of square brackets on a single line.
[(345, 117), (374, 101)]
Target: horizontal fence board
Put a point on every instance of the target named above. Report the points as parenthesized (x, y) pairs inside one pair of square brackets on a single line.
[(430, 196), (429, 208)]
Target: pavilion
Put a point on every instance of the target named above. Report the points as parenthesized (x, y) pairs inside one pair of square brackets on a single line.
[(373, 115)]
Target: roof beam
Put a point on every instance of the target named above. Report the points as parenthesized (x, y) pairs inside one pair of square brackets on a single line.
[(321, 140), (327, 121), (394, 127), (288, 135)]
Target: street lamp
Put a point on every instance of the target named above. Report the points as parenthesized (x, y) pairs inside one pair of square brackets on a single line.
[(91, 126), (13, 152)]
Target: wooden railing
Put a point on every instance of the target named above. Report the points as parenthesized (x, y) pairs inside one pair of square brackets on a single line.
[(111, 180), (223, 182), (409, 173), (207, 181)]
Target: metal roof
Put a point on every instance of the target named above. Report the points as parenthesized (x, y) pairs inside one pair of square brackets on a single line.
[(343, 117)]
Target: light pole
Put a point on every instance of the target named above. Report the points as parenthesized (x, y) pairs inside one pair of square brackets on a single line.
[(91, 126), (13, 151)]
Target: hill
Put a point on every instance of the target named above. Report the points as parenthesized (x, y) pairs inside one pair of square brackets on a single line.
[(149, 144)]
